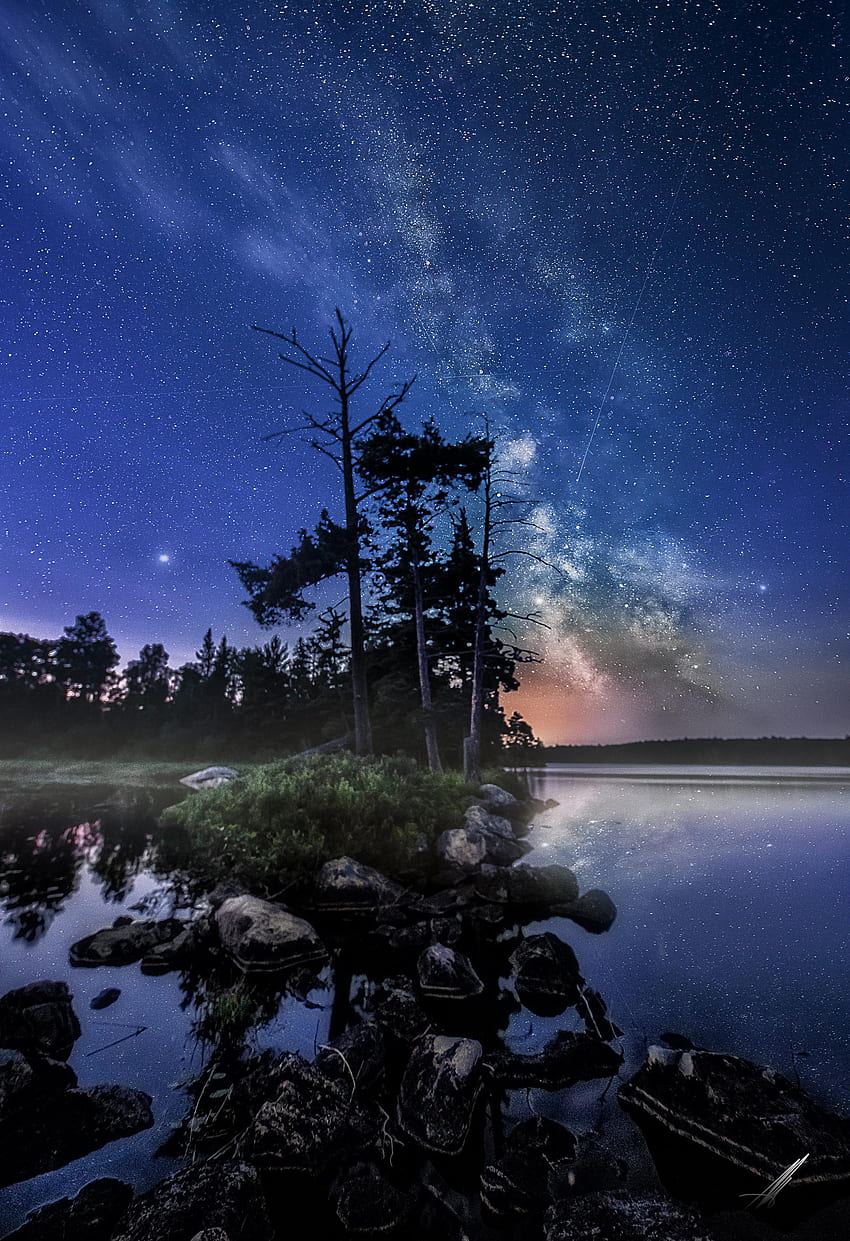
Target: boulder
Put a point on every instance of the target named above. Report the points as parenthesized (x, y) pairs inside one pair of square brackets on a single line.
[(397, 1011), (595, 911), (517, 1184), (124, 942), (209, 778), (751, 1118), (529, 886), (367, 1203), (594, 1013), (346, 886), (438, 1092), (566, 1059), (39, 1017), (60, 1125), (311, 1122), (447, 975), (92, 1214), (263, 937), (620, 1217), (493, 795), (181, 951), (28, 1081), (218, 1194), (547, 976), (358, 1056), (462, 847), (480, 816), (105, 998)]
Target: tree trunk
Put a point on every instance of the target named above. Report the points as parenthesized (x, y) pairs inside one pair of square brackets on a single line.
[(472, 743), (359, 683), (430, 727)]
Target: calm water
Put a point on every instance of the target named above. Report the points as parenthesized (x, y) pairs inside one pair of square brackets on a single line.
[(733, 891)]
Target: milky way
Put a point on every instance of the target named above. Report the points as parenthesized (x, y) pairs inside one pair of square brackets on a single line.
[(517, 196)]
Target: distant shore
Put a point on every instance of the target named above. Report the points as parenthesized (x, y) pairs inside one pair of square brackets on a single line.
[(712, 752)]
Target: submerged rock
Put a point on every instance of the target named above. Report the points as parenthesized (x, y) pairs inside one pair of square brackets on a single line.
[(311, 1121), (47, 1130), (92, 1214), (620, 1217), (530, 886), (366, 1202), (752, 1118), (180, 951), (105, 998), (595, 911), (124, 942), (358, 1056), (210, 778), (517, 1184), (566, 1059), (397, 1010), (547, 975), (263, 937), (446, 974), (212, 1195), (39, 1017), (438, 1092), (346, 886)]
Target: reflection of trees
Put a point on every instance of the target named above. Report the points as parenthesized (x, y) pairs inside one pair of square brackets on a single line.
[(121, 854), (39, 870)]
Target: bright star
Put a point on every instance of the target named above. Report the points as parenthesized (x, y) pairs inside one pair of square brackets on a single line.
[(164, 558)]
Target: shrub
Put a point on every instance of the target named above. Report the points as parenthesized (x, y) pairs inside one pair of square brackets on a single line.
[(280, 822)]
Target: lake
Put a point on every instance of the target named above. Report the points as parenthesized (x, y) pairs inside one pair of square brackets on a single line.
[(733, 891)]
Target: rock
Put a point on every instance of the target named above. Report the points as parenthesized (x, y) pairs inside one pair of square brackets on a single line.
[(547, 975), (366, 1202), (92, 1214), (123, 943), (312, 1121), (596, 1169), (347, 886), (480, 817), (493, 795), (566, 1059), (359, 1054), (397, 1010), (210, 778), (221, 1195), (39, 1017), (263, 937), (463, 847), (16, 1077), (593, 1011), (438, 1092), (517, 1184), (104, 998), (595, 911), (619, 1217), (28, 1081), (446, 974), (752, 1118), (211, 1234), (65, 1125), (181, 951), (531, 886)]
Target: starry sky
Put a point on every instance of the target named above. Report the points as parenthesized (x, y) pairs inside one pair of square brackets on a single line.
[(617, 229)]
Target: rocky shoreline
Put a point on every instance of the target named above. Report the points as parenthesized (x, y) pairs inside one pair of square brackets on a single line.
[(397, 1126)]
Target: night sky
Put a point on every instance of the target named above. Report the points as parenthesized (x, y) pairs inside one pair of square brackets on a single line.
[(628, 215)]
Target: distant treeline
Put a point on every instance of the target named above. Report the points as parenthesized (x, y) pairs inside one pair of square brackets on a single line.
[(732, 751)]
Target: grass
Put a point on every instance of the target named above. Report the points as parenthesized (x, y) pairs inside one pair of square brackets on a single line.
[(281, 821), (141, 773)]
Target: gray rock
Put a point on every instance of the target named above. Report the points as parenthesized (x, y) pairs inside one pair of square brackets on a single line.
[(211, 1234), (263, 937), (16, 1077), (532, 886), (438, 1092), (210, 778), (397, 1010), (619, 1217), (366, 1202), (358, 1056), (223, 1195), (92, 1214), (547, 975), (182, 950), (479, 816), (347, 886), (123, 943), (462, 847), (446, 974), (312, 1121), (595, 911), (493, 795), (39, 1017)]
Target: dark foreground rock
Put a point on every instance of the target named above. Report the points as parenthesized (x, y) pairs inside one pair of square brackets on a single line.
[(547, 976), (528, 886), (366, 1202), (568, 1058), (215, 1194), (91, 1216), (344, 886), (517, 1184), (358, 1056), (48, 1129), (263, 937), (752, 1118), (447, 974), (622, 1218), (105, 998), (123, 943), (438, 1092), (595, 911), (39, 1017), (311, 1121)]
